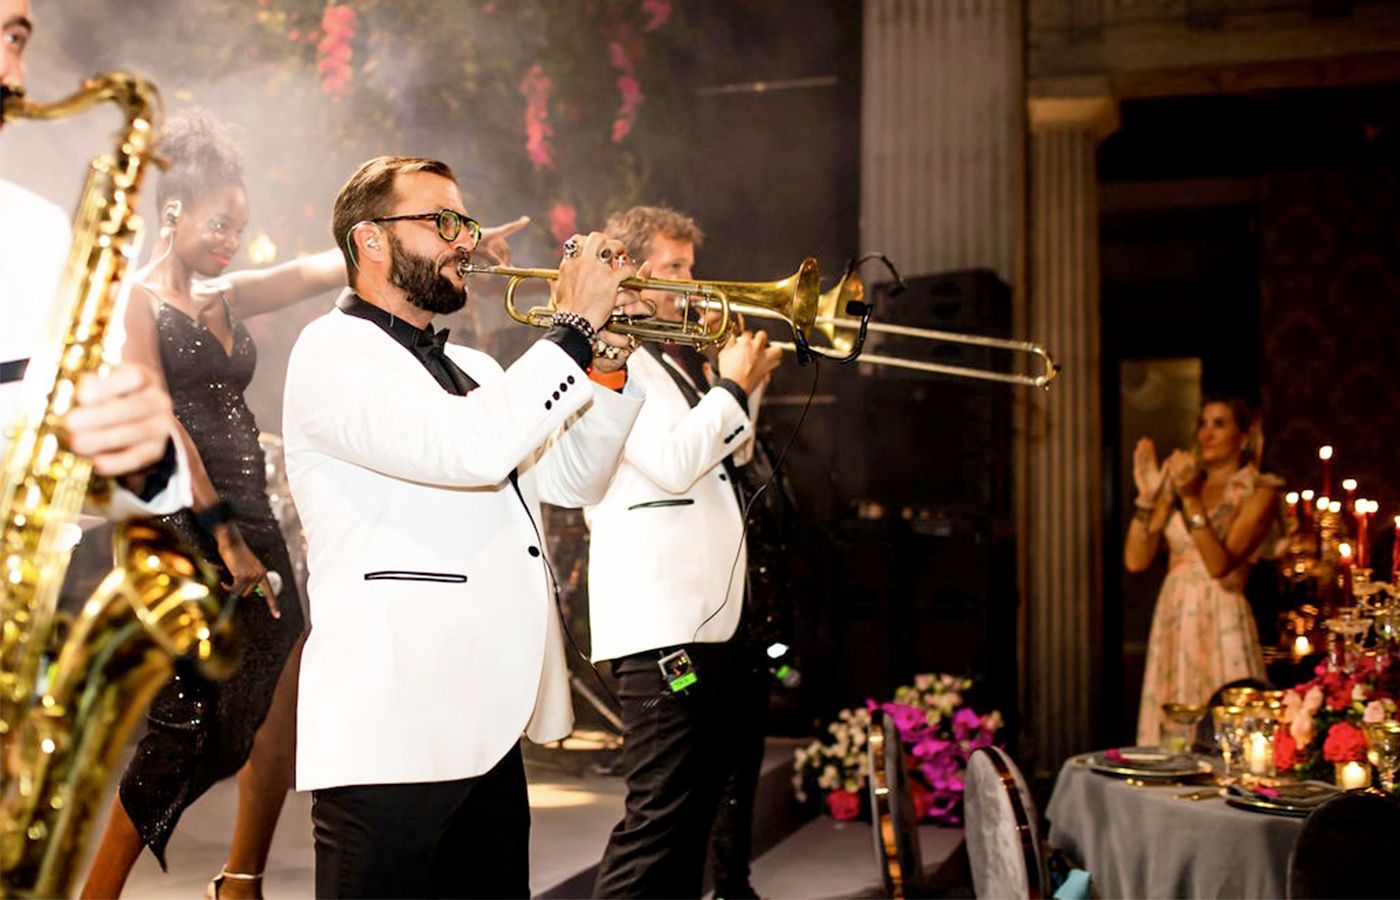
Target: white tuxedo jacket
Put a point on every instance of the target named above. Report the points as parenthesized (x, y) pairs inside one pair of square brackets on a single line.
[(663, 540), (435, 640)]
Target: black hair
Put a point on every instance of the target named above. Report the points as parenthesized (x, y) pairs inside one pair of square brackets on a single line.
[(203, 156)]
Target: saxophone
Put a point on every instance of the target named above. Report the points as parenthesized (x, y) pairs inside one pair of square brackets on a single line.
[(68, 702)]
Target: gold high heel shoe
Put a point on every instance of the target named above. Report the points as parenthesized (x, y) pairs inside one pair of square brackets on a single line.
[(212, 891)]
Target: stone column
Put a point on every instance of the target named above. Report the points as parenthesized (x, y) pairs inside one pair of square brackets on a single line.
[(1059, 485), (941, 134)]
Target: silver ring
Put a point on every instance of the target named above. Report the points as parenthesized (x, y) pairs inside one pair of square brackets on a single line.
[(605, 254), (604, 349), (571, 249)]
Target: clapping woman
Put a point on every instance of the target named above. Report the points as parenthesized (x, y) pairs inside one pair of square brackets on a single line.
[(1212, 507)]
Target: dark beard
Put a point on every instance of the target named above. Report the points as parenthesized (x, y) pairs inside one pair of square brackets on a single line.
[(426, 287)]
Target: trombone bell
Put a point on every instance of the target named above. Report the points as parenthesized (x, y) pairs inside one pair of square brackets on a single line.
[(843, 335)]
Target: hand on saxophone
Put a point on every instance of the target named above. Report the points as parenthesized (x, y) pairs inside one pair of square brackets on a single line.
[(122, 421)]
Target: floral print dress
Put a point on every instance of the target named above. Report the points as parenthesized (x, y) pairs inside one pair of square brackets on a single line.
[(1203, 633)]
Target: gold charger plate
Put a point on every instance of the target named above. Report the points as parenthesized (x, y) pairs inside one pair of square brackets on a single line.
[(1297, 799), (1149, 763)]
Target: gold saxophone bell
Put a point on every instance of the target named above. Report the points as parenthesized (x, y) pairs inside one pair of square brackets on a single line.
[(67, 705)]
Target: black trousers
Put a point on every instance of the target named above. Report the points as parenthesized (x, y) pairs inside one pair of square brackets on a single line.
[(466, 838), (731, 844), (677, 752)]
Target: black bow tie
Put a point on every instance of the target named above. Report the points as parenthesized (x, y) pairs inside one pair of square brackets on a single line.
[(427, 340)]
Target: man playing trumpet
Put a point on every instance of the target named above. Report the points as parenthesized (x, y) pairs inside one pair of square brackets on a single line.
[(418, 468)]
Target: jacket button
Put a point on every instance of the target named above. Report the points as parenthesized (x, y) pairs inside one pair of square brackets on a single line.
[(549, 404), (563, 386), (722, 477), (534, 551), (571, 379), (556, 395)]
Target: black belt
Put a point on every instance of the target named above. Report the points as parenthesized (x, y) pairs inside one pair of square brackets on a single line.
[(13, 370)]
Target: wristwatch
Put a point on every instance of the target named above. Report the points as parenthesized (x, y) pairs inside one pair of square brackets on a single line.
[(1195, 520)]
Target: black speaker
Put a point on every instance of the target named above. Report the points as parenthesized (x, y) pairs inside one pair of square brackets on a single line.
[(928, 443)]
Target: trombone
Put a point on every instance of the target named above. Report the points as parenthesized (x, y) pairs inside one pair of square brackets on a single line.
[(839, 314), (844, 334)]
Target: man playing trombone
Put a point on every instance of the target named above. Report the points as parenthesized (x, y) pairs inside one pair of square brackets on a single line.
[(667, 572)]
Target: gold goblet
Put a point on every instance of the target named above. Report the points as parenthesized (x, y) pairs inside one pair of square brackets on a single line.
[(1238, 696), (1383, 739), (1229, 733), (1183, 717)]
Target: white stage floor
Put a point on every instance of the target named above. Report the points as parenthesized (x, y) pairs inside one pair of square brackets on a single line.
[(571, 819)]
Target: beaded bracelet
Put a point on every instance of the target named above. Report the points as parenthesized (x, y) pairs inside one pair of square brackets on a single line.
[(575, 321)]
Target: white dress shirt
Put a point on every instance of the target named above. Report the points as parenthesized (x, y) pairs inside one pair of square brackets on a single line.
[(34, 241)]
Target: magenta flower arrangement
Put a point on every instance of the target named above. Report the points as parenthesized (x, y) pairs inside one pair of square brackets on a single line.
[(938, 730)]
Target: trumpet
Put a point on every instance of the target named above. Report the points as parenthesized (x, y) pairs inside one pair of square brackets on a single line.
[(792, 300)]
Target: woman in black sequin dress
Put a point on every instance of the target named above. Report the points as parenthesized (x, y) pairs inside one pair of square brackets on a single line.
[(201, 732)]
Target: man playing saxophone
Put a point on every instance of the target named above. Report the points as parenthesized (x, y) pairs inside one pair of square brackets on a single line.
[(123, 420)]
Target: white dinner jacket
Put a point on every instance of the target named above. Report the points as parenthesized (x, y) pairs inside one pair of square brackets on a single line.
[(662, 567), (435, 640)]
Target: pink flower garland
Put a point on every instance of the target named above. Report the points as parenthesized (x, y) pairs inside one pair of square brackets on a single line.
[(563, 221), (535, 87), (624, 52), (334, 50)]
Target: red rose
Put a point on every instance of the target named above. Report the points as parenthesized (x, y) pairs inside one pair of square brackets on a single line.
[(1285, 751), (1345, 743), (843, 805)]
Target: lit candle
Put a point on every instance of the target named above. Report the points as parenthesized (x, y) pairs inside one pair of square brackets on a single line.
[(1306, 508), (1361, 511), (1344, 552), (1258, 754), (1349, 485), (1324, 453), (1353, 775), (1395, 553), (1291, 498), (1301, 646)]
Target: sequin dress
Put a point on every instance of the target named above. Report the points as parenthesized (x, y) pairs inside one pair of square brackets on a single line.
[(200, 732)]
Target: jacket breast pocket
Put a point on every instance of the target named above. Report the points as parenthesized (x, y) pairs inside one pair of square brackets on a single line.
[(411, 575), (662, 504)]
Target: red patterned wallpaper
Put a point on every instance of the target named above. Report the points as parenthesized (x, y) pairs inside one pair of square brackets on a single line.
[(1330, 307)]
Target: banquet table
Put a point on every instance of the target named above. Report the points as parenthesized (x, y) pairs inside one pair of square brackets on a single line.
[(1144, 841)]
